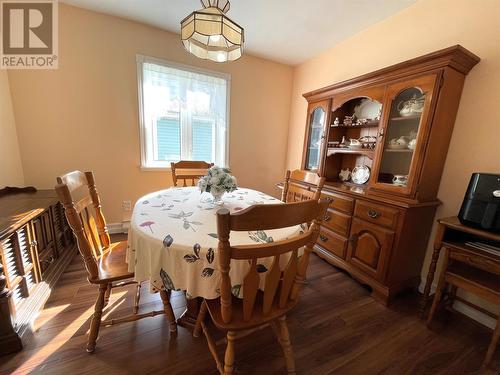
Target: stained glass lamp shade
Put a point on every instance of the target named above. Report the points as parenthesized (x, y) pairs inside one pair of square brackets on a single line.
[(209, 34)]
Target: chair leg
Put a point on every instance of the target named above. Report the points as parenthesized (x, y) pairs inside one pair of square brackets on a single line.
[(201, 318), (107, 294), (96, 318), (212, 346), (167, 307), (229, 356), (137, 298), (281, 330), (493, 345)]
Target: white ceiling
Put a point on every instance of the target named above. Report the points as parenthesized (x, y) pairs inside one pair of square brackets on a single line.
[(287, 31)]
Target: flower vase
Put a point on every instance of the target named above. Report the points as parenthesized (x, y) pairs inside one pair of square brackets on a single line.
[(217, 201)]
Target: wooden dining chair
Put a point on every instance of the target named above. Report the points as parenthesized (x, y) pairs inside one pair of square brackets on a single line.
[(259, 308), (104, 261), (189, 170), (301, 185), (475, 274)]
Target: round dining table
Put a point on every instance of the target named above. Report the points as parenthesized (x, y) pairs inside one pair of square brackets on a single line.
[(172, 242)]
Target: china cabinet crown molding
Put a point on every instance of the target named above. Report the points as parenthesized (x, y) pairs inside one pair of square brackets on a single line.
[(456, 57)]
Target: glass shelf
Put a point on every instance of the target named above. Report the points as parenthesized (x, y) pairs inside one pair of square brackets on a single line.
[(367, 125), (405, 118), (403, 151), (366, 152)]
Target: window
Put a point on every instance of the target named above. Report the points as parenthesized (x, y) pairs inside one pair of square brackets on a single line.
[(183, 113)]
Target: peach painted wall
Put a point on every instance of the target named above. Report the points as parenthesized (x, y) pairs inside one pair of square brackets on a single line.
[(85, 114), (11, 170), (424, 27)]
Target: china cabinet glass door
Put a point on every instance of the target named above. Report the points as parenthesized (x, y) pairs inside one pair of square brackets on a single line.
[(402, 137), (315, 135)]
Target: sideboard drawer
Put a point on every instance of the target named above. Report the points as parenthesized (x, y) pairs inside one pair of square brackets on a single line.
[(340, 202), (332, 242), (377, 214), (337, 222)]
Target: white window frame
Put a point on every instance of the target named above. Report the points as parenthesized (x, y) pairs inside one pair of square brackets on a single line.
[(155, 165)]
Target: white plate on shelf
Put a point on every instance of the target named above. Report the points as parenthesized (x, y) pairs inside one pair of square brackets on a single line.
[(360, 174), (367, 109)]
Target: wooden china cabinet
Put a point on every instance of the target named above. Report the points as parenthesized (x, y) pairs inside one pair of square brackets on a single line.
[(382, 210)]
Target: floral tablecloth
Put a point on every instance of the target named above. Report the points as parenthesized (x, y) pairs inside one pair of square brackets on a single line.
[(173, 240)]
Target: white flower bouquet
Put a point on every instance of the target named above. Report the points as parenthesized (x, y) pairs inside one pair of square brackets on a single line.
[(217, 182)]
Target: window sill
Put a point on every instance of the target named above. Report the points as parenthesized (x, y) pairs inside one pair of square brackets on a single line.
[(155, 169)]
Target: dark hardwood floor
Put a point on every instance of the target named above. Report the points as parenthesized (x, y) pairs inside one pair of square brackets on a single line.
[(336, 329)]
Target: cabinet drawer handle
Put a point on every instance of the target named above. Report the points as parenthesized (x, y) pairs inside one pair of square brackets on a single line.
[(373, 214), (323, 238), (327, 217)]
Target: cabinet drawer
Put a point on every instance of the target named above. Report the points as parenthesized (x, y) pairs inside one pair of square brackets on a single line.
[(340, 202), (377, 214), (337, 222), (332, 242)]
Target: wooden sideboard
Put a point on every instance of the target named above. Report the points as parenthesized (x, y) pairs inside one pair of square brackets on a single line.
[(378, 230), (36, 245)]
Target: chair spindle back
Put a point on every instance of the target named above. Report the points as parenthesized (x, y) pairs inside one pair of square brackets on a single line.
[(280, 287), (297, 186), (84, 216), (189, 170)]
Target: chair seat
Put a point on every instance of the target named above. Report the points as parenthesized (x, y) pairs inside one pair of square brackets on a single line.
[(112, 265), (237, 322)]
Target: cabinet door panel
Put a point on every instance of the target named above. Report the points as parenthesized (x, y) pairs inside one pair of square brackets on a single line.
[(318, 115), (406, 122), (47, 227), (369, 247), (39, 237)]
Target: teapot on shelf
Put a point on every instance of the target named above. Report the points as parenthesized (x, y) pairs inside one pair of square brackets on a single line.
[(414, 106)]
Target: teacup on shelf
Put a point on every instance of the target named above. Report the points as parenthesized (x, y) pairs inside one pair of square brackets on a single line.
[(400, 179)]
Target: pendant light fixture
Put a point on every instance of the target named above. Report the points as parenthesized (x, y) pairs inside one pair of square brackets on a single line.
[(209, 34)]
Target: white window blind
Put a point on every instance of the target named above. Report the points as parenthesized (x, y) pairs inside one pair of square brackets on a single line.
[(183, 114)]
